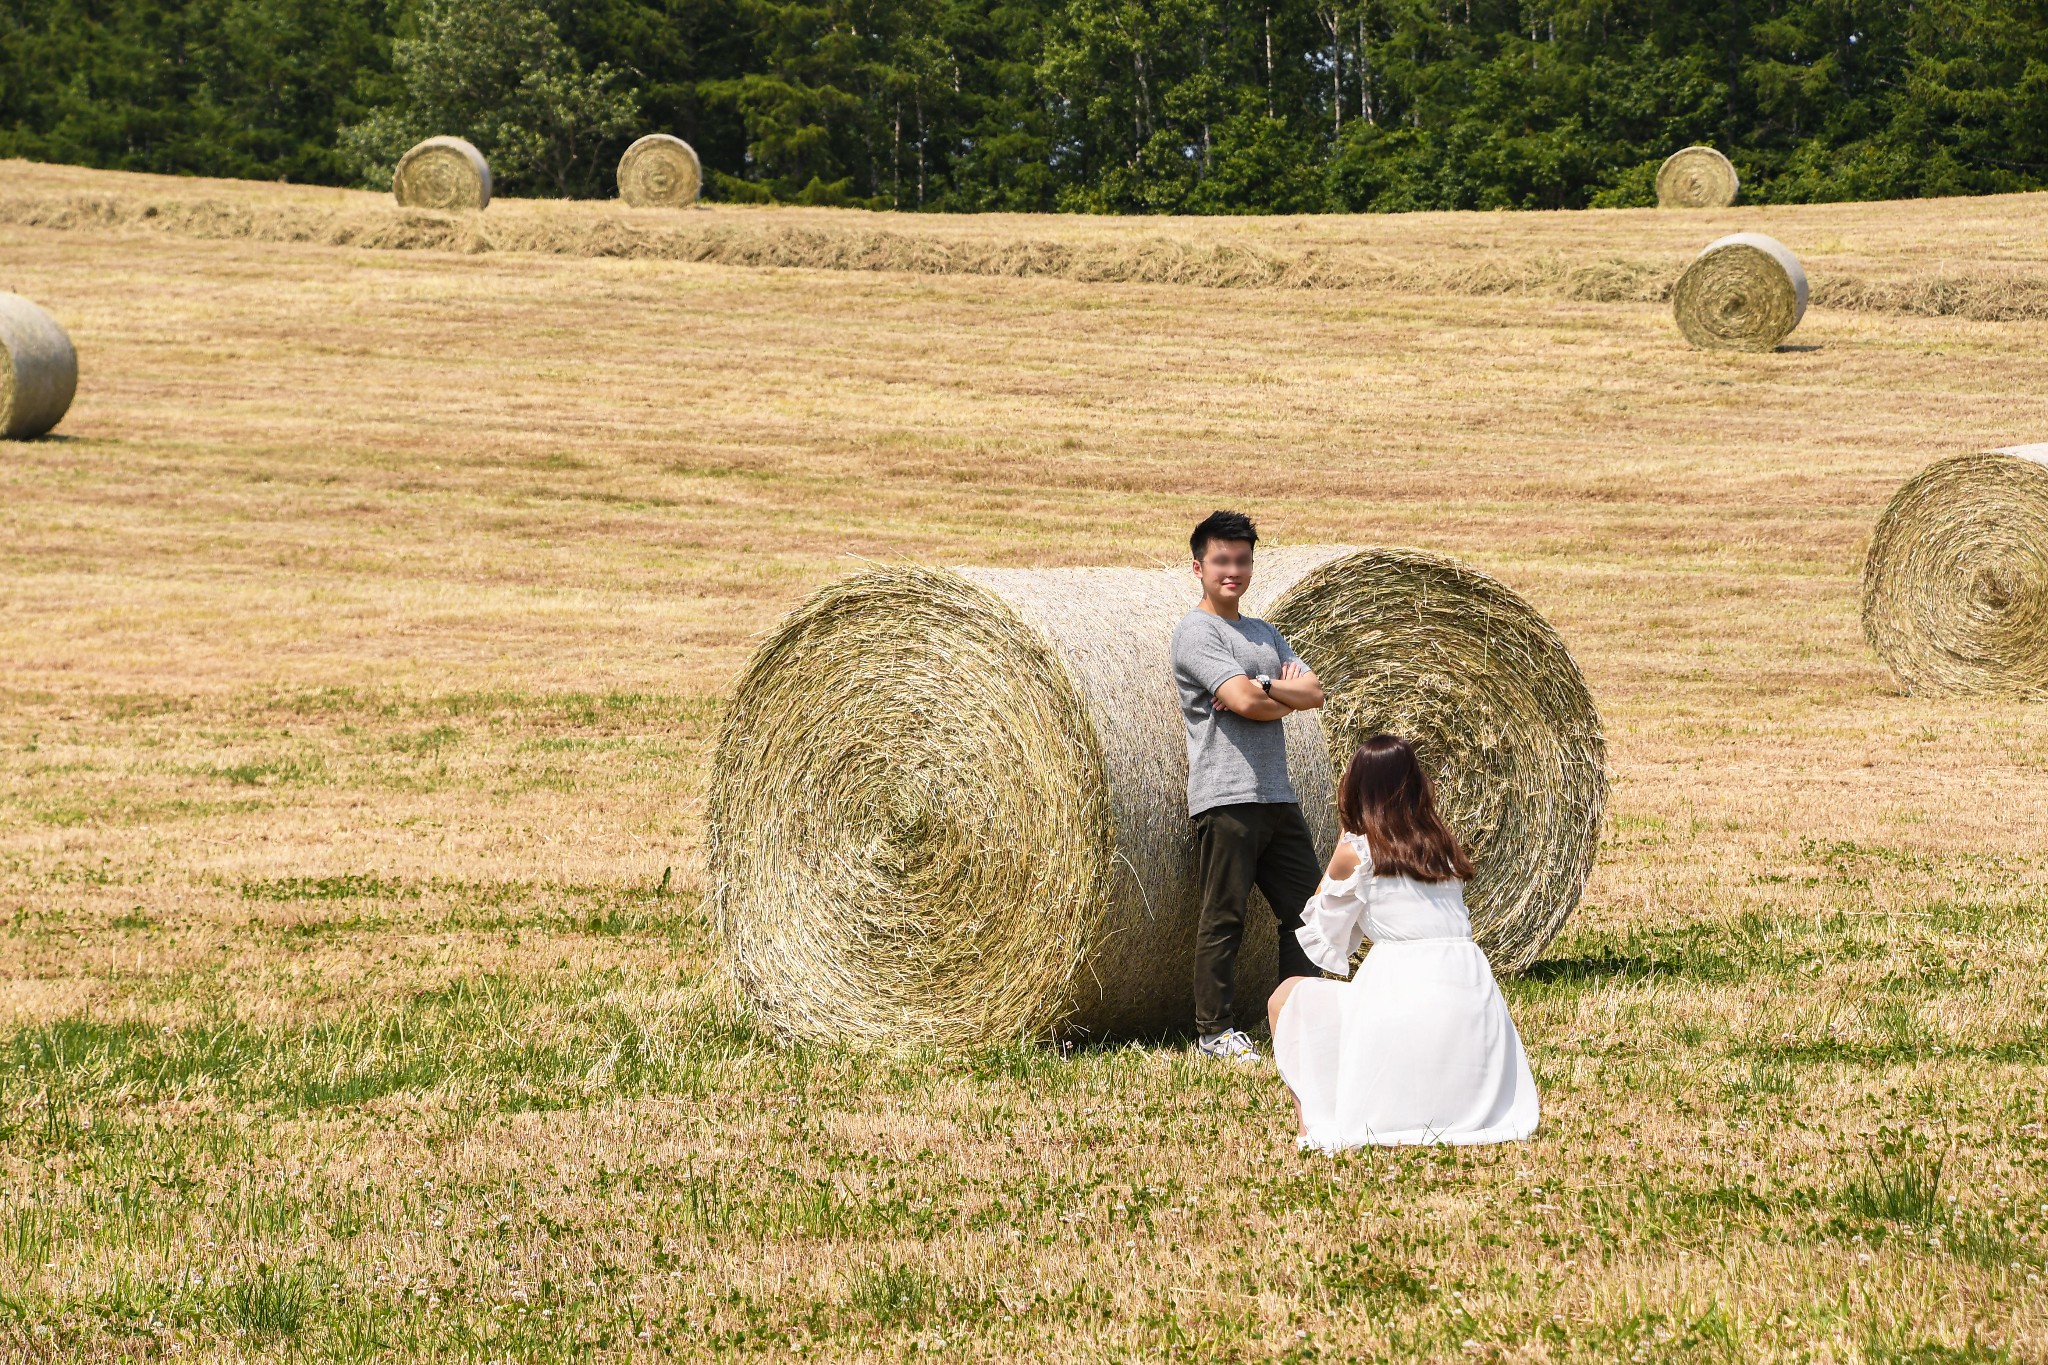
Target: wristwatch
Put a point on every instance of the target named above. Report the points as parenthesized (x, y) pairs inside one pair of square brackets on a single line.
[(1266, 681)]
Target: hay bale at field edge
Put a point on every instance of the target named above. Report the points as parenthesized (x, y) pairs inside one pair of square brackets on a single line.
[(1744, 292), (445, 173), (949, 807), (1697, 178), (1955, 584), (660, 171), (38, 369)]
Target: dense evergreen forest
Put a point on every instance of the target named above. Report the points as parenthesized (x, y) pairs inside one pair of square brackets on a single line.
[(1171, 106)]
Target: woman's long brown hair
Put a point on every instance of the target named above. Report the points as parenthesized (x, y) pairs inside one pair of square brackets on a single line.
[(1387, 797)]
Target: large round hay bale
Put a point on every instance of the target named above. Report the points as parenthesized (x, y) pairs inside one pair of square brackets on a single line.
[(446, 173), (1697, 178), (1424, 647), (1955, 586), (1745, 292), (949, 807), (38, 369), (660, 172)]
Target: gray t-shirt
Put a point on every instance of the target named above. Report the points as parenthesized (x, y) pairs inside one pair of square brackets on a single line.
[(1230, 759)]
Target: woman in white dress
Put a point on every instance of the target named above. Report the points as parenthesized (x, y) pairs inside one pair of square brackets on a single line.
[(1419, 1048)]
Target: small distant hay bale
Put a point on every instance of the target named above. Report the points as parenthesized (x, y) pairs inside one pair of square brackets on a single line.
[(446, 173), (1955, 586), (1697, 178), (660, 172), (38, 369), (949, 807), (1745, 292)]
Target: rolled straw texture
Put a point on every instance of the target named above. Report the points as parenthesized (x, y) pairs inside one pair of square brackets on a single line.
[(1741, 293), (1697, 178), (38, 369), (949, 807), (660, 172), (1955, 586), (446, 173), (1421, 646)]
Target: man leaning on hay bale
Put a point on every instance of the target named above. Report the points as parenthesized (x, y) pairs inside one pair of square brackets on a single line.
[(1238, 680)]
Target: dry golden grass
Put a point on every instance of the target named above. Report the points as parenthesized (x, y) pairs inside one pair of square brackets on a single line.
[(1971, 258), (365, 630)]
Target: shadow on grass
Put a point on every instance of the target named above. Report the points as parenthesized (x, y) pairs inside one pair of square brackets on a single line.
[(1609, 967)]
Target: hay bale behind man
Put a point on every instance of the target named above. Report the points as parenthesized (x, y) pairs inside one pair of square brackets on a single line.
[(951, 807)]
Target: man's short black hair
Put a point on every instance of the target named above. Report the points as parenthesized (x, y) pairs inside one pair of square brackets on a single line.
[(1222, 526)]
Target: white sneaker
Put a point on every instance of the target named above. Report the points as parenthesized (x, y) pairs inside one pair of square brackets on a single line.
[(1231, 1045)]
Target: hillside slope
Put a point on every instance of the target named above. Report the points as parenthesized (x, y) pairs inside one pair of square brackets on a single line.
[(1979, 258)]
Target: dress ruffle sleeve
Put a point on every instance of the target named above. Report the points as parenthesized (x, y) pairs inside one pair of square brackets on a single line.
[(1333, 921)]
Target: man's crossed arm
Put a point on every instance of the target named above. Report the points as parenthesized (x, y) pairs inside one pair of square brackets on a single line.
[(1296, 689)]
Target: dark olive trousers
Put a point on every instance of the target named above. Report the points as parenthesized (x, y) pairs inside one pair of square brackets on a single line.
[(1262, 844)]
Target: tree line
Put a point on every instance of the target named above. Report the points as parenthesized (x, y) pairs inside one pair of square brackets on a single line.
[(1151, 106)]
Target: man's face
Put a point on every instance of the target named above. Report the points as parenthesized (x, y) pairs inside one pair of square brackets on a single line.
[(1225, 569)]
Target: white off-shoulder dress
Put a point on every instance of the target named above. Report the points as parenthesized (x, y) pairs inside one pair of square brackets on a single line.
[(1419, 1048)]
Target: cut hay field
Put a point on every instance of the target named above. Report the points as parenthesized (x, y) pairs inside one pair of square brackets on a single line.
[(364, 632)]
